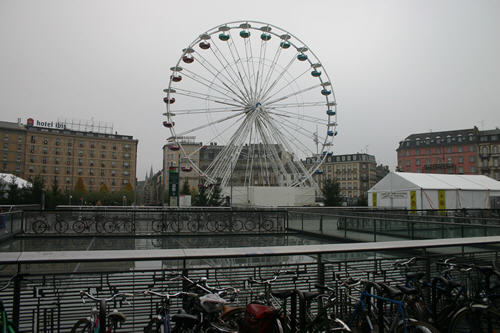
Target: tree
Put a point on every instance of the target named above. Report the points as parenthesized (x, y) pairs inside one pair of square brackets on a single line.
[(13, 192), (104, 188), (37, 190), (54, 197), (128, 188), (363, 200), (331, 193), (215, 198), (80, 187), (201, 199), (185, 188)]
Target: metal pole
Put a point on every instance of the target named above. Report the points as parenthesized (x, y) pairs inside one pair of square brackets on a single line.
[(162, 191), (231, 182), (178, 178)]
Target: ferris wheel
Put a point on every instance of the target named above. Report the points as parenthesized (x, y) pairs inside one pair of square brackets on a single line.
[(262, 95)]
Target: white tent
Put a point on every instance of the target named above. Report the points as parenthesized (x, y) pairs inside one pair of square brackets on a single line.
[(6, 179), (433, 191)]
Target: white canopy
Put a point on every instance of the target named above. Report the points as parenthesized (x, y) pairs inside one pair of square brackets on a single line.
[(6, 178), (414, 181), (433, 191)]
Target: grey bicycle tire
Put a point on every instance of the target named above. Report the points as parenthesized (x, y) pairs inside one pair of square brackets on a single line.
[(477, 314), (154, 326), (83, 324), (40, 226), (61, 226), (79, 226)]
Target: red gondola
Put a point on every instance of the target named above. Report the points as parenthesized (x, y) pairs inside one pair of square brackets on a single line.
[(169, 101), (187, 168), (204, 45), (174, 147), (168, 124), (176, 78), (188, 59)]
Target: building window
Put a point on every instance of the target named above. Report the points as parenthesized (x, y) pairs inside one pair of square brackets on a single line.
[(70, 144), (113, 164), (113, 182), (57, 160), (80, 162), (126, 155), (472, 159), (67, 180), (471, 148), (81, 144), (58, 151), (408, 163), (33, 140), (460, 169), (113, 173), (460, 149), (79, 172), (460, 159), (407, 153), (438, 150), (91, 153), (113, 155), (44, 169), (102, 172), (114, 146), (450, 160), (103, 146), (448, 150), (91, 162), (31, 169), (91, 172), (417, 161), (103, 164), (68, 171), (70, 152), (44, 160), (45, 141), (427, 161), (6, 145), (58, 142), (103, 154), (56, 170), (80, 153)]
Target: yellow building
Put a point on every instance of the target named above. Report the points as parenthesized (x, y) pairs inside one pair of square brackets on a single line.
[(61, 156)]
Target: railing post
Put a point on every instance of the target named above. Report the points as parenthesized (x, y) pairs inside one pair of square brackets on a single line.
[(16, 300), (302, 217), (321, 223), (374, 230)]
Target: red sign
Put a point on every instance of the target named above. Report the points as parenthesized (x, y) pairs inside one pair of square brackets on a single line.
[(30, 122)]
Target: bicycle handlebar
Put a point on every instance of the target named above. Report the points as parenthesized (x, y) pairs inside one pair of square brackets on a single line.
[(168, 296), (97, 299)]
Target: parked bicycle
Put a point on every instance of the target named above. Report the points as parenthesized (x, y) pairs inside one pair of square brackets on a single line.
[(119, 224), (6, 325), (41, 225), (97, 322), (85, 223)]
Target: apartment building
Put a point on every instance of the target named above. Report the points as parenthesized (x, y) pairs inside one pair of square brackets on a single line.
[(62, 156)]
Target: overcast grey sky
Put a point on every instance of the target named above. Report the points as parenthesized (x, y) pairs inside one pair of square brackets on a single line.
[(398, 67)]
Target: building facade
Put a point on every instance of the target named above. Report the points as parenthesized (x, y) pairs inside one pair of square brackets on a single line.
[(489, 153), (467, 151), (355, 173), (61, 156)]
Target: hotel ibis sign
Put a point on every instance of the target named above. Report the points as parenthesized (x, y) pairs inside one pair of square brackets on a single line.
[(48, 124)]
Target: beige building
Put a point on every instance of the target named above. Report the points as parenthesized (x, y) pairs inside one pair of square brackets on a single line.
[(172, 157), (62, 156), (355, 173)]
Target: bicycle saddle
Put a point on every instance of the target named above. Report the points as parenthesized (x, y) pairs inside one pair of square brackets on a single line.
[(406, 290), (117, 317), (184, 317), (390, 291), (283, 293), (308, 295), (415, 276)]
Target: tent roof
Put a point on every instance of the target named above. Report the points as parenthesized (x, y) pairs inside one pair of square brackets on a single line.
[(408, 180), (6, 178)]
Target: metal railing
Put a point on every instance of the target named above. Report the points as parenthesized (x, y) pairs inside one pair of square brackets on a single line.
[(372, 228), (97, 220), (44, 293)]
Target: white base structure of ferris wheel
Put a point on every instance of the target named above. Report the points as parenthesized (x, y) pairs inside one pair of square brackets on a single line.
[(265, 98)]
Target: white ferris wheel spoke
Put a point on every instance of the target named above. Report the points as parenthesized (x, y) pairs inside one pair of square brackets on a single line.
[(245, 78), (270, 72), (291, 94), (278, 78), (221, 76), (218, 121), (310, 119), (229, 69), (205, 110), (248, 45), (288, 84), (224, 91), (206, 97)]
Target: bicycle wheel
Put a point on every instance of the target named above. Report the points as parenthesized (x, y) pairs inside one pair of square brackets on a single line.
[(192, 226), (128, 227), (157, 225), (250, 225), (175, 226), (236, 225), (155, 325), (234, 319), (220, 226), (40, 226), (99, 227), (79, 226), (109, 226), (211, 225), (61, 226), (267, 224), (81, 326), (476, 318), (416, 326)]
